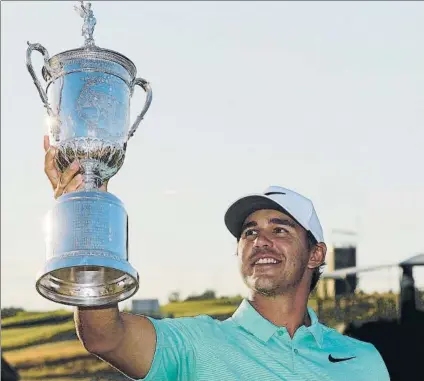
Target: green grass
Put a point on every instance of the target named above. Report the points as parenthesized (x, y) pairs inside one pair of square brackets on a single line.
[(202, 307), (70, 357), (40, 354), (14, 337), (86, 367), (32, 317)]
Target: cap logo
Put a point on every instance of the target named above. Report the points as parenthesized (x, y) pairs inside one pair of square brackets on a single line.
[(270, 193)]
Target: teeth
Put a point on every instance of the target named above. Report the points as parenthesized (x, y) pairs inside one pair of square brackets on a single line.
[(265, 260)]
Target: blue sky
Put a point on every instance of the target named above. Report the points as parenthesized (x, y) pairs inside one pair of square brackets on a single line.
[(325, 98)]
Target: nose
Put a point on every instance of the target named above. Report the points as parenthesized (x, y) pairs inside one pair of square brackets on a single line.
[(263, 240)]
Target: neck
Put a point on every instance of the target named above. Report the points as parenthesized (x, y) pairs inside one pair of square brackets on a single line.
[(286, 310)]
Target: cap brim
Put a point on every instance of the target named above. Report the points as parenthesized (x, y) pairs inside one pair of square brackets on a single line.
[(242, 208)]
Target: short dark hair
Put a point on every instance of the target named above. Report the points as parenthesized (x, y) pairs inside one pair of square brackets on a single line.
[(316, 274)]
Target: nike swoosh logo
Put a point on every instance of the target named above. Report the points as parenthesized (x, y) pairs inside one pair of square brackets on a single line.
[(332, 359)]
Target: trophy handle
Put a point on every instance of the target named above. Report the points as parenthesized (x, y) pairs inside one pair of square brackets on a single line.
[(146, 87), (41, 91)]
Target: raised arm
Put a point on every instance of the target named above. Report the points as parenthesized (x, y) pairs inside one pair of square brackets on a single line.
[(125, 341)]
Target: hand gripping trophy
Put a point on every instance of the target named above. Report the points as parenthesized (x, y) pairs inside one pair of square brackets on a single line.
[(87, 98)]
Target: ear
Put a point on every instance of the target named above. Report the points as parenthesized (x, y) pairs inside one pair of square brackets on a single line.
[(317, 255)]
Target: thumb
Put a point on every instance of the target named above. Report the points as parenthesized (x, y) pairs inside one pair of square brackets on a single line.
[(49, 163), (46, 143)]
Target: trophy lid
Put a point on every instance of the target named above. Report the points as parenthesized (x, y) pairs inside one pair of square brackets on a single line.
[(89, 52)]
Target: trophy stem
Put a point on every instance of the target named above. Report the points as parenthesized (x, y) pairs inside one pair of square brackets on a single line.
[(92, 181)]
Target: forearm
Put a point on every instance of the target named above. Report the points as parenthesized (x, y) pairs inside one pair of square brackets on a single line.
[(99, 329)]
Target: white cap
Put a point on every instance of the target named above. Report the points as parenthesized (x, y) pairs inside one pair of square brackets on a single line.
[(285, 200)]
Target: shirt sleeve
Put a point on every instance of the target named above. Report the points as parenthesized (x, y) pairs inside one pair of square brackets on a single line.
[(380, 368), (173, 359)]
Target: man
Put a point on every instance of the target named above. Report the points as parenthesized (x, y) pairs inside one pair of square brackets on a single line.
[(273, 335)]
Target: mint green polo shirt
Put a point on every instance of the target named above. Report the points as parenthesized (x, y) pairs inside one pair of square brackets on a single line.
[(247, 347)]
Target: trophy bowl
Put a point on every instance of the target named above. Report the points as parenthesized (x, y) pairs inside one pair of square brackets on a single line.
[(87, 98)]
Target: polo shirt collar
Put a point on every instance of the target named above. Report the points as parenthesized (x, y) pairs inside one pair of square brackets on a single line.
[(316, 327), (251, 320)]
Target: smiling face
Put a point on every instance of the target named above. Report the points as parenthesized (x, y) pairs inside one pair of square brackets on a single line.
[(273, 253)]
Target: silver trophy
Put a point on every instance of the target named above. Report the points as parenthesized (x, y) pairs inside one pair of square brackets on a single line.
[(87, 98)]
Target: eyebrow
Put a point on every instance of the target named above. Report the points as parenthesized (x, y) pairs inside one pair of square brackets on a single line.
[(277, 221)]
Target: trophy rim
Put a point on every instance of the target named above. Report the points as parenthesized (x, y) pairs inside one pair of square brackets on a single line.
[(93, 52), (63, 263), (87, 302)]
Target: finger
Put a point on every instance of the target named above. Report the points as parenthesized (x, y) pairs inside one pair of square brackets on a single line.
[(79, 187), (50, 167), (46, 143), (74, 184), (66, 178)]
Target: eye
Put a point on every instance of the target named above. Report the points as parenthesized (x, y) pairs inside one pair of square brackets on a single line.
[(250, 233), (280, 231)]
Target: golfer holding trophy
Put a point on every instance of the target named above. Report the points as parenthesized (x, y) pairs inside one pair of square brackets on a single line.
[(272, 336)]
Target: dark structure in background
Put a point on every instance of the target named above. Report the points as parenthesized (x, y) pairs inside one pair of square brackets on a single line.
[(400, 341), (7, 372), (345, 257)]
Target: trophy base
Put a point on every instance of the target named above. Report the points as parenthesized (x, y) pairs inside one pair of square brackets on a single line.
[(87, 281), (87, 251)]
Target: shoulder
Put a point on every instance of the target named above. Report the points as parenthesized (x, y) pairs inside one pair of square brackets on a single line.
[(189, 328), (364, 351), (196, 322), (334, 338)]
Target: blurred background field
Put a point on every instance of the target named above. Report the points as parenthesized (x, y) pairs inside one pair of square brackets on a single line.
[(44, 345)]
